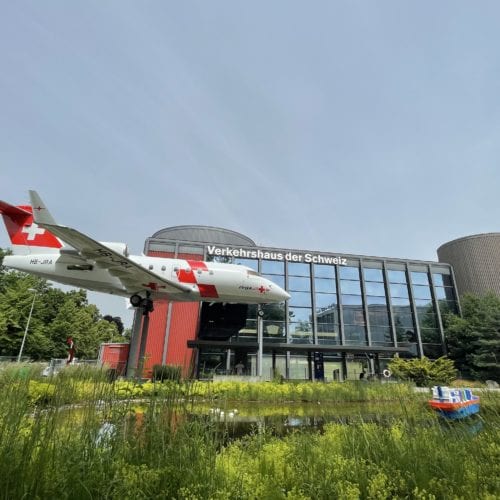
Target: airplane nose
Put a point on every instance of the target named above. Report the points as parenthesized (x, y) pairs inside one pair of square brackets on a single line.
[(277, 293)]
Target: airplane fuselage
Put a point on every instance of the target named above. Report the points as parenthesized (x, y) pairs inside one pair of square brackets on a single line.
[(208, 281)]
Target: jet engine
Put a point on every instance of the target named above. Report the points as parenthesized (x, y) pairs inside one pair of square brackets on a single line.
[(120, 248)]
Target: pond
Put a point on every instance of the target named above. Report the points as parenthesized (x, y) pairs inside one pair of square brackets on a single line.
[(281, 420)]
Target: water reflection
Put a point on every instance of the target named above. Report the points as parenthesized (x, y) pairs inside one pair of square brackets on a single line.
[(313, 418)]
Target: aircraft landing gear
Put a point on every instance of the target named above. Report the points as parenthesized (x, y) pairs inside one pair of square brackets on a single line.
[(144, 302), (135, 300), (136, 360)]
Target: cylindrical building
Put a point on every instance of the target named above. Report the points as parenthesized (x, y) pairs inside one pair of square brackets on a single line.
[(476, 262)]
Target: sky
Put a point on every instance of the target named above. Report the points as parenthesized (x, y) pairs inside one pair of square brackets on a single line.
[(357, 127)]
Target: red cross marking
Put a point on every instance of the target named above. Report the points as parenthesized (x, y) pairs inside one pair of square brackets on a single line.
[(262, 289)]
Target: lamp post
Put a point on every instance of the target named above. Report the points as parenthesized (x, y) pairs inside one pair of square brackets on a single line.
[(27, 325)]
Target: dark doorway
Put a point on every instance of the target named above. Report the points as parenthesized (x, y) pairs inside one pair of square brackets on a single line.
[(221, 321)]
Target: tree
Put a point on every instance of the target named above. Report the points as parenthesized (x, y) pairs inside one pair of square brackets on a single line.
[(56, 316), (117, 321), (474, 339), (423, 371)]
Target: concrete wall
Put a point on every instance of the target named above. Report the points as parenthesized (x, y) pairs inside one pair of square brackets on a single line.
[(476, 262)]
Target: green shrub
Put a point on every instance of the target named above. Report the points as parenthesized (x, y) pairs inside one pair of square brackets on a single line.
[(167, 372), (423, 371)]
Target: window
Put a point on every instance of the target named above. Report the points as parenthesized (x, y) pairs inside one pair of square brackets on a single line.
[(398, 290), (378, 315), (299, 269), (374, 289), (418, 278), (324, 300), (324, 285), (275, 278), (433, 351), (354, 300), (381, 335), (355, 334), (253, 264), (328, 333), (350, 287), (375, 300), (324, 271), (400, 303), (373, 274), (302, 299), (403, 320), (448, 306), (396, 276), (349, 273), (421, 292), (191, 249), (272, 267), (300, 314), (354, 315), (299, 284), (442, 279), (274, 329), (430, 335)]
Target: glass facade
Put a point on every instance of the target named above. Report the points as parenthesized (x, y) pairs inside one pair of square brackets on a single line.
[(352, 310), (363, 303)]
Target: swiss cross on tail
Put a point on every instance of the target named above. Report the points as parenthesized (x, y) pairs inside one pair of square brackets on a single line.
[(23, 231), (32, 231)]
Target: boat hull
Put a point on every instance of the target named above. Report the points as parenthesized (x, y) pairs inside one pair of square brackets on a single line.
[(456, 410)]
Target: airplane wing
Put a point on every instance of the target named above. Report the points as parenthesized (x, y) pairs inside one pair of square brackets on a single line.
[(133, 276)]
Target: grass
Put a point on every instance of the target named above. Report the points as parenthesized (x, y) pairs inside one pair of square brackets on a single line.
[(109, 446)]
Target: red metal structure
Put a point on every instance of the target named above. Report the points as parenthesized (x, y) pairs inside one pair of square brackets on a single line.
[(114, 355)]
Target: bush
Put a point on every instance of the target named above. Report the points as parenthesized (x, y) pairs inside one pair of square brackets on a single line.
[(423, 371), (167, 372)]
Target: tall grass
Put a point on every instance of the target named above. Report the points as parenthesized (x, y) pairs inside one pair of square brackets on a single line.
[(110, 447)]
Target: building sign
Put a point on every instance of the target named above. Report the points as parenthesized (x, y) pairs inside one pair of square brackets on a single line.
[(275, 255)]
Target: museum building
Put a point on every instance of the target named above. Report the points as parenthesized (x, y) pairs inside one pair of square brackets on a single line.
[(347, 315)]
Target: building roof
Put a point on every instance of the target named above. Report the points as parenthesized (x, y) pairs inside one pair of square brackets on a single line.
[(204, 234)]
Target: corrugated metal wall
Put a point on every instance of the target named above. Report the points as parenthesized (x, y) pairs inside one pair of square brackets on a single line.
[(156, 337), (114, 355), (183, 327)]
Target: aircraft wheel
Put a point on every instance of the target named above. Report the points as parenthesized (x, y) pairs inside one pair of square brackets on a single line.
[(136, 300), (147, 305)]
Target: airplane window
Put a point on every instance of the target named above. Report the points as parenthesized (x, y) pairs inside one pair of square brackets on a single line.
[(150, 267), (163, 268)]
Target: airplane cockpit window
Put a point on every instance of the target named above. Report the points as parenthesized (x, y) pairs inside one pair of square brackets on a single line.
[(252, 273)]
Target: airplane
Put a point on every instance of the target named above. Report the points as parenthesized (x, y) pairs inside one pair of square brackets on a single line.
[(59, 253)]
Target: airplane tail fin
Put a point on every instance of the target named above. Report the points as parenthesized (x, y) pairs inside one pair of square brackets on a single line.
[(24, 233)]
